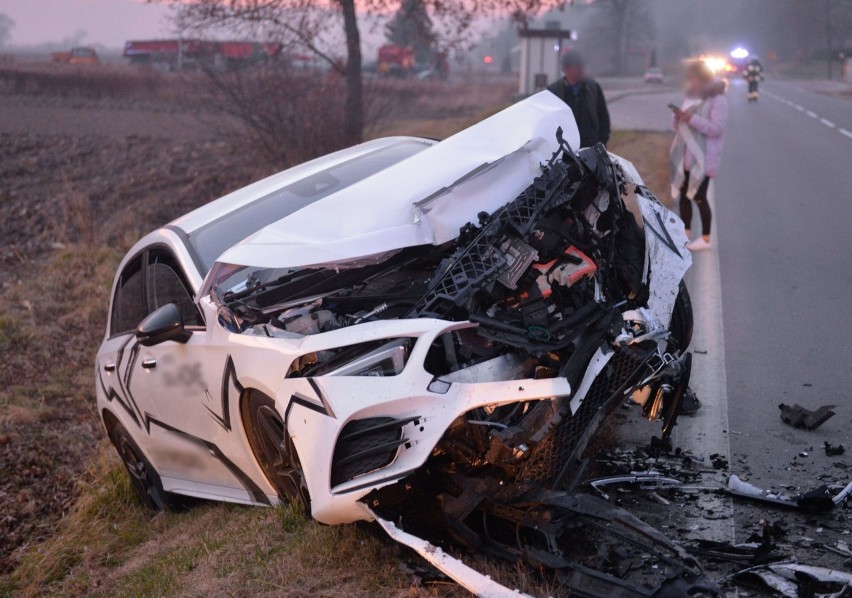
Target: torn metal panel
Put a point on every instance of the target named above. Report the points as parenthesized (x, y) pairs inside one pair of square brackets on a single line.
[(505, 367), (645, 480), (820, 499), (543, 527), (666, 249), (775, 582), (466, 577), (793, 580), (628, 170)]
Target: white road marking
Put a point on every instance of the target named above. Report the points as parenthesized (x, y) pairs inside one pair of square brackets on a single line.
[(708, 432), (813, 114)]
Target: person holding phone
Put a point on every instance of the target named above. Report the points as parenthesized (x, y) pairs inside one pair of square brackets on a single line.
[(697, 147)]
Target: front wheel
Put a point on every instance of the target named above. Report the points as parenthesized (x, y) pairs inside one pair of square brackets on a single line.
[(274, 450)]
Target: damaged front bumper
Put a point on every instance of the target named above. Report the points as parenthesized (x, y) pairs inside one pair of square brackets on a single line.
[(424, 405)]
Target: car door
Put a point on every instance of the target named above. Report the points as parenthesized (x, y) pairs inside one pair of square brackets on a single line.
[(183, 383)]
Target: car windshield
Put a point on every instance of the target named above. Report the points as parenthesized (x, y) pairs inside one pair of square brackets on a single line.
[(211, 240)]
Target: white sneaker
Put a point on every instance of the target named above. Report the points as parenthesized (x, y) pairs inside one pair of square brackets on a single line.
[(699, 244)]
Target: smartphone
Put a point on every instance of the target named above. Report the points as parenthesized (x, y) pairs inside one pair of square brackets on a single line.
[(674, 108)]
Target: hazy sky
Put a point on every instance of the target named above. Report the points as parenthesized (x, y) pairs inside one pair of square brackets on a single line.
[(107, 22)]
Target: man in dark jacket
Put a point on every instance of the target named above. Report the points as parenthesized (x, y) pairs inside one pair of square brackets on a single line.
[(586, 99)]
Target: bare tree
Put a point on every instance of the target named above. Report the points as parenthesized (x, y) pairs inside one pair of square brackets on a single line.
[(412, 26), (323, 27), (285, 115), (618, 9), (626, 20)]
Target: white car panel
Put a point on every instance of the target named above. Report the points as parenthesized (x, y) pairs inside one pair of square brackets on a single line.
[(421, 200)]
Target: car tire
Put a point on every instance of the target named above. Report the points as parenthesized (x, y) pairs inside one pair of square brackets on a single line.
[(143, 477), (682, 323), (274, 450)]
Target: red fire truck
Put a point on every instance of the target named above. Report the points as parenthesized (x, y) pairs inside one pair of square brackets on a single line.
[(396, 61), (181, 54)]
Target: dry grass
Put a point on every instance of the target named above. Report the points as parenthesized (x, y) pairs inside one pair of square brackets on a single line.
[(67, 222), (648, 150), (437, 110), (103, 81), (110, 546), (48, 336)]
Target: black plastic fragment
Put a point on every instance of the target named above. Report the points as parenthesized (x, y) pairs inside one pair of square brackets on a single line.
[(799, 417), (832, 450)]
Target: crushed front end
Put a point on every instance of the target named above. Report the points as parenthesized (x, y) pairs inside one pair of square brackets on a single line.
[(483, 367), (563, 283)]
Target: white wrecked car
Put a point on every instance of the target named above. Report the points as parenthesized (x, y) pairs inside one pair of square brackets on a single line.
[(404, 330)]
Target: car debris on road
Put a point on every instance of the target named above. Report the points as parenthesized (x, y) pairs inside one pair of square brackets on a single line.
[(818, 500), (799, 417), (832, 450), (795, 580)]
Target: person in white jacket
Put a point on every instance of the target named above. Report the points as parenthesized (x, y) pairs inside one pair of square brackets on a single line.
[(696, 151)]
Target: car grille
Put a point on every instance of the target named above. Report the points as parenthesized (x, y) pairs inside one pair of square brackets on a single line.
[(563, 445)]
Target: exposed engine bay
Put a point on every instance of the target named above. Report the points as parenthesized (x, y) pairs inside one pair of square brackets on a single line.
[(558, 283), (547, 280)]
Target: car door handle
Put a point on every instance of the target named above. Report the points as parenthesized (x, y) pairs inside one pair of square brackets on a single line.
[(149, 363), (109, 367)]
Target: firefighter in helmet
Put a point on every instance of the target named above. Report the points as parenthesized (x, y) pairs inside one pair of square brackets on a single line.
[(753, 73)]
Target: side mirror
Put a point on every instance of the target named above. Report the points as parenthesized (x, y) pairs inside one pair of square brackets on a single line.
[(162, 324)]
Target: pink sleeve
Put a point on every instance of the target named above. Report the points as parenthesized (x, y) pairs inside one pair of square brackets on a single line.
[(714, 124)]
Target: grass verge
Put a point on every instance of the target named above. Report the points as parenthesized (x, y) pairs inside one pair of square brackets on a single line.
[(110, 546)]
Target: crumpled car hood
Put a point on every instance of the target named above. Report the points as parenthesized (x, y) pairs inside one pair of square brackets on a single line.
[(424, 199)]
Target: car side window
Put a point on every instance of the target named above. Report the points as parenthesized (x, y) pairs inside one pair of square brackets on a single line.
[(166, 284), (128, 305)]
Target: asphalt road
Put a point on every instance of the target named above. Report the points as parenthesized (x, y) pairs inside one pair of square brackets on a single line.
[(784, 199), (773, 311)]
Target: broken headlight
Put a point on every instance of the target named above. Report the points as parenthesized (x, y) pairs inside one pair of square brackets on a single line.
[(375, 358)]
